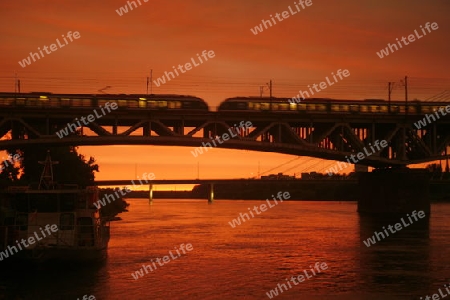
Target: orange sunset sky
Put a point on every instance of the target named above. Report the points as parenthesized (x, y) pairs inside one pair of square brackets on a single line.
[(119, 51)]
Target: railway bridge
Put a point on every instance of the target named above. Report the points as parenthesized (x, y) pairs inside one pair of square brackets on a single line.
[(333, 135)]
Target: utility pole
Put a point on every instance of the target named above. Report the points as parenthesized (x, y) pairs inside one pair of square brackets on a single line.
[(151, 81), (270, 90), (390, 88), (406, 95)]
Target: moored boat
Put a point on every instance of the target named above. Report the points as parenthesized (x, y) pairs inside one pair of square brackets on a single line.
[(52, 222)]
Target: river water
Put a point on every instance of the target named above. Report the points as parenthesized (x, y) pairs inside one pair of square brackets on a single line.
[(247, 261)]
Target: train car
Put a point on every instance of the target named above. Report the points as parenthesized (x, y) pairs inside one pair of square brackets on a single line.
[(327, 105), (123, 101)]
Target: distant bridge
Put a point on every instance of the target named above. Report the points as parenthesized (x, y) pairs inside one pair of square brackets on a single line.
[(314, 133)]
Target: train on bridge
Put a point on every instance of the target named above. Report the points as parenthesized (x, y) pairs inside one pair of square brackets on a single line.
[(236, 104)]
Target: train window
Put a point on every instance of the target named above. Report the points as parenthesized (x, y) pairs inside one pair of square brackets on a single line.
[(374, 108), (412, 109), (122, 103), (256, 106), (162, 104), (171, 104), (250, 105), (383, 109), (335, 107), (132, 103), (363, 108), (44, 101), (81, 102), (7, 101), (151, 104), (311, 106), (283, 106), (20, 101), (265, 106), (426, 109), (395, 109), (274, 106), (321, 107), (292, 106), (65, 102), (301, 106), (32, 102), (102, 102), (142, 103), (354, 108), (54, 102), (344, 107), (175, 104)]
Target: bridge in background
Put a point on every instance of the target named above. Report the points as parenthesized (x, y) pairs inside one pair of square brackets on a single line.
[(326, 135), (210, 182)]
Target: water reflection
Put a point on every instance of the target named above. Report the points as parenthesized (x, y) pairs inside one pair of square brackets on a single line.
[(401, 260)]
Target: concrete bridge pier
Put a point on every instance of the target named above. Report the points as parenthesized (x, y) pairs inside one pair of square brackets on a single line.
[(394, 191), (150, 194), (211, 193)]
